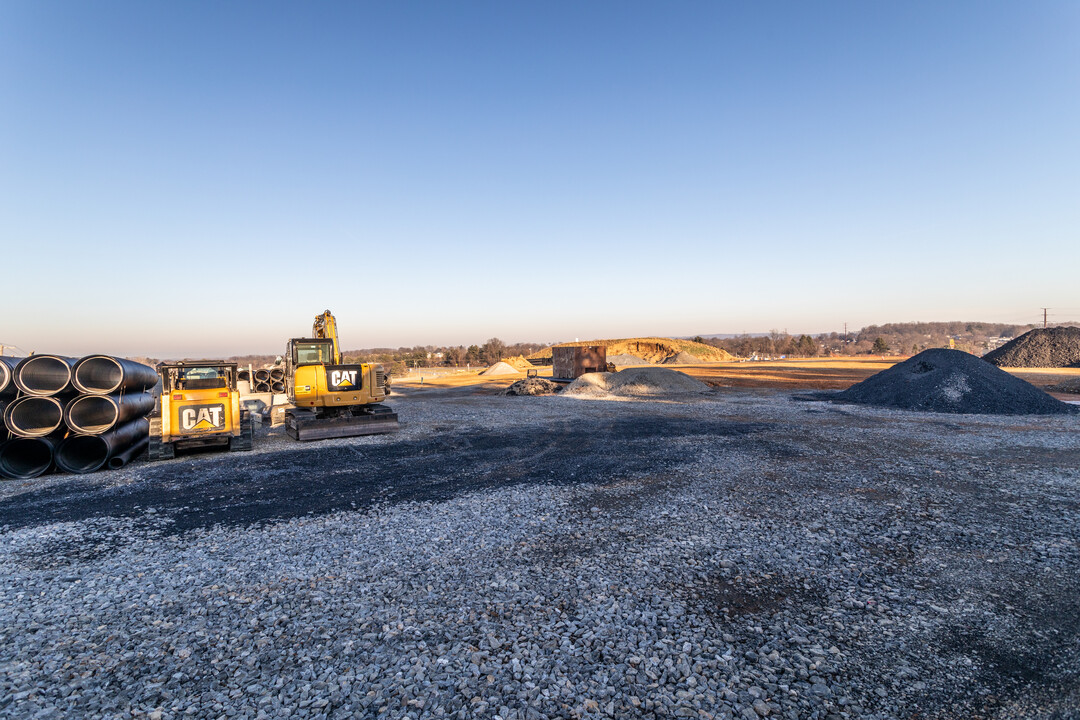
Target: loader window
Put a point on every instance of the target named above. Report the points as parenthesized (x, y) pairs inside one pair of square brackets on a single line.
[(201, 378), (314, 354)]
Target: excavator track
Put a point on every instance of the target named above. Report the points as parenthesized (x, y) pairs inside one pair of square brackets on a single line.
[(367, 420)]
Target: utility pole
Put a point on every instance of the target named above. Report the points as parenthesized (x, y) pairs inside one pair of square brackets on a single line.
[(845, 338), (1044, 317)]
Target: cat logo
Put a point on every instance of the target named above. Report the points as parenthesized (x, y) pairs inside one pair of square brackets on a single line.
[(343, 378), (202, 418)]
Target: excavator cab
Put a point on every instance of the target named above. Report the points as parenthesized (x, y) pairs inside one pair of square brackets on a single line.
[(311, 352)]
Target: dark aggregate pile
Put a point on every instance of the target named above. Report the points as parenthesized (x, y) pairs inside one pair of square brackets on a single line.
[(952, 381), (1042, 347), (533, 386)]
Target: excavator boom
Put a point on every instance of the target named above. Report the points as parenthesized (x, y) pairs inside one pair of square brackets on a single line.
[(325, 328)]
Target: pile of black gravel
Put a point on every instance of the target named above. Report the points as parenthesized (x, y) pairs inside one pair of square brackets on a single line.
[(951, 381), (1042, 347), (533, 386)]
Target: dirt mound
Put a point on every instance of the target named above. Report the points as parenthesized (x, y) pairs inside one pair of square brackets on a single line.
[(626, 359), (683, 358), (533, 386), (501, 368), (1042, 347), (951, 381), (652, 349), (519, 362), (636, 382)]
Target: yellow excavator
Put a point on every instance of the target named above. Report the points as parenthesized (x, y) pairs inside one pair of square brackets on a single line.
[(331, 399)]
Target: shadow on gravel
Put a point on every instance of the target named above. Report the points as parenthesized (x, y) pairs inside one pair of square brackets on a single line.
[(314, 480), (730, 596)]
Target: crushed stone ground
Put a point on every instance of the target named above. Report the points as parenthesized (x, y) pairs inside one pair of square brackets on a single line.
[(735, 555)]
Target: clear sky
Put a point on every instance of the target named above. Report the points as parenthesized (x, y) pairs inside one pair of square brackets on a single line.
[(204, 178)]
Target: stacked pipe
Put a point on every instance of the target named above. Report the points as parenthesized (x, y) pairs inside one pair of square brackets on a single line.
[(77, 415), (262, 381)]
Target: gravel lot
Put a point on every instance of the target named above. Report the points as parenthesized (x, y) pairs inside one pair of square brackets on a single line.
[(738, 554)]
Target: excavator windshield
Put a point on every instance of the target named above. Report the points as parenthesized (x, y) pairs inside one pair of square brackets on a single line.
[(313, 353)]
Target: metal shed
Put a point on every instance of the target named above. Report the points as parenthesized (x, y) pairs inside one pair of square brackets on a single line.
[(571, 362)]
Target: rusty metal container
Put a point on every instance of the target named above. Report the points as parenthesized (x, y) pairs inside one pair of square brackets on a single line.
[(570, 363)]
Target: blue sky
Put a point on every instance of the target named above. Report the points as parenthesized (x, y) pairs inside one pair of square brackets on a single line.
[(204, 178)]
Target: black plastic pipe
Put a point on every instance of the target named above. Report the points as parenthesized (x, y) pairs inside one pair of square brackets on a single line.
[(278, 387), (277, 374), (122, 458), (262, 376), (89, 453), (106, 375), (263, 387), (95, 414), (34, 416), (44, 375), (8, 388), (25, 458)]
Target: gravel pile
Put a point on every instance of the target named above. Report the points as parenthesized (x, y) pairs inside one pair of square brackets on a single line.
[(501, 368), (744, 556), (626, 359), (1067, 386), (518, 362), (683, 358), (640, 382), (1042, 347), (533, 386), (951, 381)]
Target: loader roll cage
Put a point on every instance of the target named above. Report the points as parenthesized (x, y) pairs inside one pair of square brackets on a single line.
[(197, 375)]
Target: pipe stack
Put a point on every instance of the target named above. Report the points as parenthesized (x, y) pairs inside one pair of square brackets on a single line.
[(262, 381), (277, 380), (78, 415)]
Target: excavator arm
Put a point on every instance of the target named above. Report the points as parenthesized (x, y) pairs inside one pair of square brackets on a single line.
[(325, 327)]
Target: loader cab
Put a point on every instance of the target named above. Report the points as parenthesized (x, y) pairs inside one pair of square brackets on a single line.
[(199, 408)]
